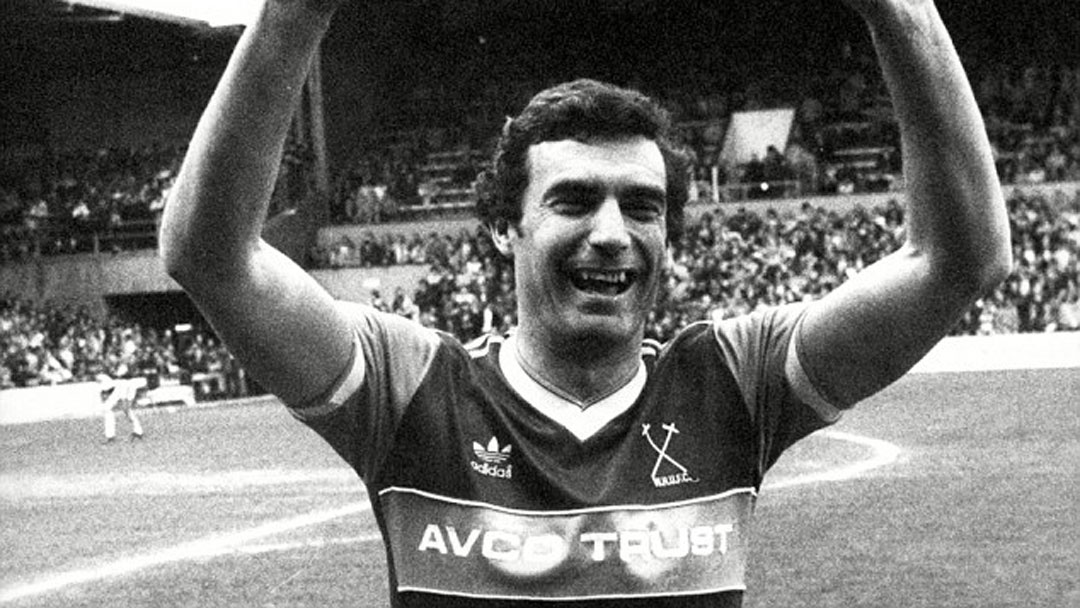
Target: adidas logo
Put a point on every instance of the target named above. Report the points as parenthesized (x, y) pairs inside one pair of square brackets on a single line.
[(492, 453), (492, 456)]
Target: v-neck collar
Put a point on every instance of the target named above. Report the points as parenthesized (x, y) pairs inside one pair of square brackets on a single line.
[(581, 423)]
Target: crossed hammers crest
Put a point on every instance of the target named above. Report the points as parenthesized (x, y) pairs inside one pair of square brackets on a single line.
[(662, 450)]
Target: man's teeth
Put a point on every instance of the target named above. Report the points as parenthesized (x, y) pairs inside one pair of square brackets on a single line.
[(611, 282), (606, 277)]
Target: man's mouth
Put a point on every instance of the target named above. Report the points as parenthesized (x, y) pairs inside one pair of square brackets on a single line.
[(603, 282)]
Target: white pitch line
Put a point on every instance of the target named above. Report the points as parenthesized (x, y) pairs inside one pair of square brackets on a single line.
[(884, 453), (315, 543), (210, 546)]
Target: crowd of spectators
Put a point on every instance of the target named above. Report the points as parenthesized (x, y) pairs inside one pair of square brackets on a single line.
[(44, 344), (729, 263), (85, 200), (1043, 291), (726, 264)]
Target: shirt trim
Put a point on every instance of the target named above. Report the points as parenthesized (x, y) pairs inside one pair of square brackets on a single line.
[(581, 423), (345, 388), (802, 385), (611, 596), (564, 512)]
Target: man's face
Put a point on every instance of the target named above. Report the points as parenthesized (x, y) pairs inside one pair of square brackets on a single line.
[(592, 239)]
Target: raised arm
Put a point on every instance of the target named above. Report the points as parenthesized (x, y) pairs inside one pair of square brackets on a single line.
[(876, 326), (273, 316)]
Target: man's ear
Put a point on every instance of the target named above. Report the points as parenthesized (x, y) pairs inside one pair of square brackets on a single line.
[(501, 232)]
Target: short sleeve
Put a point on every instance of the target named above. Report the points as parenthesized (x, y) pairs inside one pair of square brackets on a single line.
[(761, 351), (359, 415)]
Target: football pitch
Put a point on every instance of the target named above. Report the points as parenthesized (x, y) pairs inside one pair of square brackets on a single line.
[(950, 490)]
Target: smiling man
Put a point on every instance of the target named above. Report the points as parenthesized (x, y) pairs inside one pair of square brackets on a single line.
[(571, 460), (588, 248)]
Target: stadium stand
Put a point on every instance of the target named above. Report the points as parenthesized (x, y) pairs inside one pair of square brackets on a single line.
[(842, 141), (44, 344)]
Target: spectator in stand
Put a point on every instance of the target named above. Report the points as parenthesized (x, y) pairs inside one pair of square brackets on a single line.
[(404, 306)]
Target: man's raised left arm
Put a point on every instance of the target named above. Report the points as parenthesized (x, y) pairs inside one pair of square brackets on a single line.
[(877, 325)]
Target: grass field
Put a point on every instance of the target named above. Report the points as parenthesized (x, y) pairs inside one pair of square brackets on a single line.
[(957, 490)]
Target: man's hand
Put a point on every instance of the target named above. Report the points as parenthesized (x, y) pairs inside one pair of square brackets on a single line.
[(318, 10), (316, 7), (874, 11)]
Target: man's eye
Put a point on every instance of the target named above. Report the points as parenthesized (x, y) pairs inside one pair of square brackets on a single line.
[(570, 205), (643, 209)]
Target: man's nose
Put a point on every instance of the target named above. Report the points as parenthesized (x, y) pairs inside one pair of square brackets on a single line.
[(608, 231)]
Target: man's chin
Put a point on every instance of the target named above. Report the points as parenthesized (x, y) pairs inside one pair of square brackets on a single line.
[(603, 303), (601, 324), (602, 306)]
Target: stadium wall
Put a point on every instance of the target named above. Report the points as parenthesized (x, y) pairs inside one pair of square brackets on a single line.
[(1007, 351), (79, 400), (24, 405), (357, 284), (86, 279)]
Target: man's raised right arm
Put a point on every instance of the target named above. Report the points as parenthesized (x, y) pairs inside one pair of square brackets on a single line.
[(281, 324)]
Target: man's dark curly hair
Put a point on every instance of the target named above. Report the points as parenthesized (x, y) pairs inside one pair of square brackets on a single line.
[(581, 110)]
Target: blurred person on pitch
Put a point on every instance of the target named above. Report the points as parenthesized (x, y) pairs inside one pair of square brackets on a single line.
[(118, 395), (571, 460)]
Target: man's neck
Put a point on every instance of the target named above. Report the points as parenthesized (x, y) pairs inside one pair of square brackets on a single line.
[(582, 371)]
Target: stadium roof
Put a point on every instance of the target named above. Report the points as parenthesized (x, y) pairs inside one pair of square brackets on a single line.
[(46, 37), (194, 13), (212, 13)]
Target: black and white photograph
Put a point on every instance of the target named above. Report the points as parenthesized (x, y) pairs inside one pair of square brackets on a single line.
[(539, 304)]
